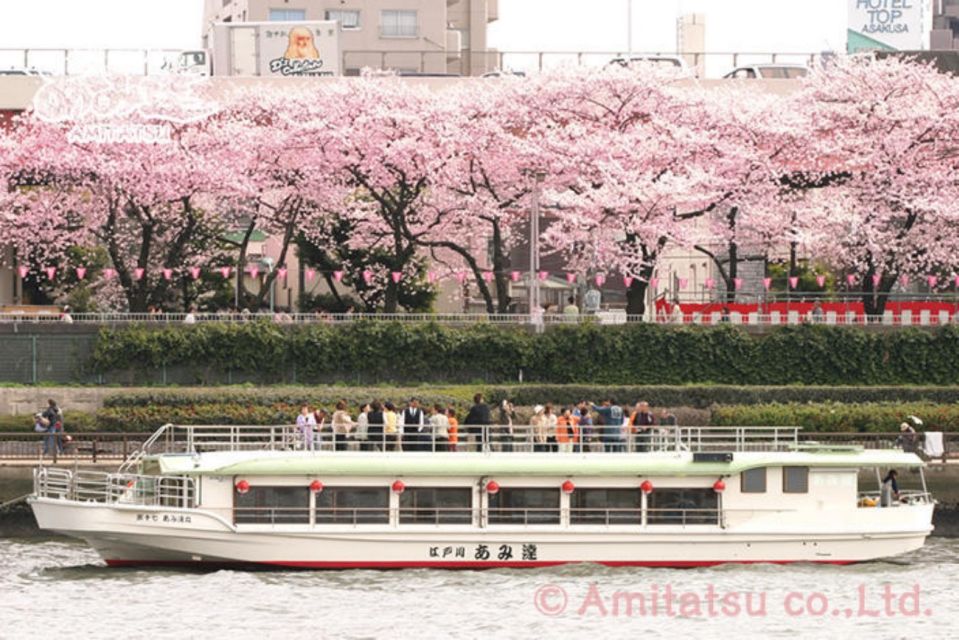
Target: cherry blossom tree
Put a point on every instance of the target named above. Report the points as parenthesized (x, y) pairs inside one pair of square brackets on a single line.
[(147, 205), (884, 138)]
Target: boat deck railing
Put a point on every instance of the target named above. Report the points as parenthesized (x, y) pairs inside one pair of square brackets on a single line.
[(126, 488), (489, 439)]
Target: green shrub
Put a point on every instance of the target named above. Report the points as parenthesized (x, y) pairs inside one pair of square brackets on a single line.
[(705, 396), (72, 420), (632, 354), (292, 396), (876, 417)]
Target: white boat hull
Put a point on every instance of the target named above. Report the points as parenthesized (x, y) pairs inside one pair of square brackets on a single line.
[(136, 535)]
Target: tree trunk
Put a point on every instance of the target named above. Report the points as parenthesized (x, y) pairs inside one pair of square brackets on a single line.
[(874, 297), (500, 265), (732, 273)]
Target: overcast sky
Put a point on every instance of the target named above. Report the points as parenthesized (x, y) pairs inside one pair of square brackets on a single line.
[(599, 25)]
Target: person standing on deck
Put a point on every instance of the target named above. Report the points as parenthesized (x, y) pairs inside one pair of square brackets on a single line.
[(477, 421), (342, 425), (640, 424), (440, 428), (612, 415), (375, 435), (361, 433), (413, 428), (453, 428), (305, 422), (890, 489)]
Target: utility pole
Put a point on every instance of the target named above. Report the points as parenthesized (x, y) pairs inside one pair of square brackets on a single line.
[(534, 297), (629, 28)]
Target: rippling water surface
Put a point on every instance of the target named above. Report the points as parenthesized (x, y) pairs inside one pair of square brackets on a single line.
[(60, 589)]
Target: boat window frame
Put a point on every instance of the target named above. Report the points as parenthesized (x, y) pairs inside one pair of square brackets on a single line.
[(576, 513), (464, 515), (493, 517), (382, 514), (652, 512), (302, 513), (785, 475), (765, 475)]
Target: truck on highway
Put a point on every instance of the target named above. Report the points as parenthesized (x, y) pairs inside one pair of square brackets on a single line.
[(301, 48)]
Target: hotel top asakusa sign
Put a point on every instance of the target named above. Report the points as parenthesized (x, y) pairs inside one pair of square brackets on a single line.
[(886, 25)]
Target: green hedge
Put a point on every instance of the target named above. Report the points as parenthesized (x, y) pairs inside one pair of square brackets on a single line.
[(288, 395), (384, 352), (696, 396), (840, 417)]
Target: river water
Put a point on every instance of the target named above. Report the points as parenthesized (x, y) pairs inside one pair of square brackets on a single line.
[(60, 589)]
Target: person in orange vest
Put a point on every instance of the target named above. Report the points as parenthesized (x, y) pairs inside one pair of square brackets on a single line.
[(453, 428), (567, 431)]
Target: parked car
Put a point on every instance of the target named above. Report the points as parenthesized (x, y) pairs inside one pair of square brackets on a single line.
[(23, 71), (660, 61), (765, 71), (500, 73)]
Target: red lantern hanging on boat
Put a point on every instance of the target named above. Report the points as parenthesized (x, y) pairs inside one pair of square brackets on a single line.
[(647, 486), (719, 486), (568, 487), (316, 486), (398, 486), (242, 487), (492, 487)]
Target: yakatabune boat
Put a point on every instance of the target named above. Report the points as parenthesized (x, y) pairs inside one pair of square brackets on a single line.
[(255, 496)]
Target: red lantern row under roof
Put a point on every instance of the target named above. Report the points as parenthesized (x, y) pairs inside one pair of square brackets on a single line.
[(492, 487)]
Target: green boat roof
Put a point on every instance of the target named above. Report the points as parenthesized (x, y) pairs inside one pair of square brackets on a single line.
[(287, 463)]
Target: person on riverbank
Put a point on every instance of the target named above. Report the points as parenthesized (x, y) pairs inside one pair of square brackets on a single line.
[(53, 443), (342, 425), (890, 489), (306, 423), (907, 438)]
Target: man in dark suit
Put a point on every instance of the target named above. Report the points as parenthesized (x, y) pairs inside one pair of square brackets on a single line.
[(478, 420), (412, 428)]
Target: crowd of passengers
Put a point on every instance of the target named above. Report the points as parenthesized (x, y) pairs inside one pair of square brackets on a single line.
[(382, 426)]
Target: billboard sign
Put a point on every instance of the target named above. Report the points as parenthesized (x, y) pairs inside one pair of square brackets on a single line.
[(890, 25), (299, 49)]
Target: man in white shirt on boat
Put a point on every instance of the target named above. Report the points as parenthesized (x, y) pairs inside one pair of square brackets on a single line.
[(305, 423), (412, 428)]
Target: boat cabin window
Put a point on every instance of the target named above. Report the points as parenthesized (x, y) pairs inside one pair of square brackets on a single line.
[(353, 505), (682, 506), (272, 505), (795, 479), (753, 481), (606, 506), (524, 506), (436, 505)]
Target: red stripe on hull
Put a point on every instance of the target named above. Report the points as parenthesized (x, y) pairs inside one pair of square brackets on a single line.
[(350, 564)]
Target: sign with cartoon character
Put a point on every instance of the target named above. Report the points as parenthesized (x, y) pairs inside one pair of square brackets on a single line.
[(298, 49)]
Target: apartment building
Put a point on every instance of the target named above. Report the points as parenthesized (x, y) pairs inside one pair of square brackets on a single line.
[(424, 36), (945, 25)]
